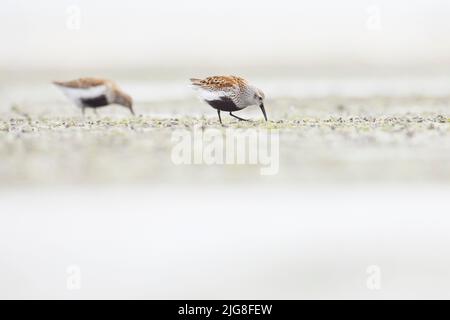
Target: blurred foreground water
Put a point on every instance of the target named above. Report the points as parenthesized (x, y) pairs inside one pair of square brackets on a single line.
[(225, 243)]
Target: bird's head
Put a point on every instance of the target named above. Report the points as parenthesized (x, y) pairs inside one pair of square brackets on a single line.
[(258, 98), (123, 99)]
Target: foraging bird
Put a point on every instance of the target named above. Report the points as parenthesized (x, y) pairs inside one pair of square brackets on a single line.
[(229, 94), (95, 93)]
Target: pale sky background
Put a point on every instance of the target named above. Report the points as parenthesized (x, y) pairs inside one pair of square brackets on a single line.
[(175, 33)]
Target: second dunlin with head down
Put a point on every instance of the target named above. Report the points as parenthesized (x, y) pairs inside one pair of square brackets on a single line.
[(95, 93), (229, 94)]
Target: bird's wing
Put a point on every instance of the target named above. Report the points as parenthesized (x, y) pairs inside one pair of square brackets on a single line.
[(213, 88), (220, 83), (86, 88), (83, 83)]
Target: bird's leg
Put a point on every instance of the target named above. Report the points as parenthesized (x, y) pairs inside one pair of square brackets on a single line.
[(83, 111), (231, 114), (220, 118), (95, 111)]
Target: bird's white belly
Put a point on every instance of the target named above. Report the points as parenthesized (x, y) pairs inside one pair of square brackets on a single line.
[(76, 94)]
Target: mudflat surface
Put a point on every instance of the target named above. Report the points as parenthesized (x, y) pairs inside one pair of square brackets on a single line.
[(388, 131)]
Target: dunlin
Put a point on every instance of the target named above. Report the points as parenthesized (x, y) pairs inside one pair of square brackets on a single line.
[(229, 94), (95, 93)]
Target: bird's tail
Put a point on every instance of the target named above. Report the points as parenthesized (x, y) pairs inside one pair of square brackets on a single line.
[(196, 82), (58, 83)]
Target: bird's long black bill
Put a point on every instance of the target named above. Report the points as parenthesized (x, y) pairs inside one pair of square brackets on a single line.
[(263, 111)]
